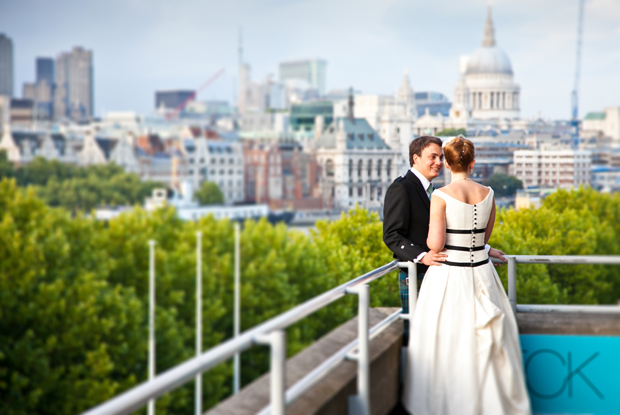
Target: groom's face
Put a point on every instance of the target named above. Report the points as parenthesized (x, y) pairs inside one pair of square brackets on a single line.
[(430, 163)]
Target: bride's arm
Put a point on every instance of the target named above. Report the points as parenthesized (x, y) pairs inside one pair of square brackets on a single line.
[(437, 225), (490, 224)]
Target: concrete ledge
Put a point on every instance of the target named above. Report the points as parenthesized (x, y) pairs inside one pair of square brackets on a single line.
[(587, 324), (329, 397)]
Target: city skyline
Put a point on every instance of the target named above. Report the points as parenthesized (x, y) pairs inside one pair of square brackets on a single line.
[(139, 47)]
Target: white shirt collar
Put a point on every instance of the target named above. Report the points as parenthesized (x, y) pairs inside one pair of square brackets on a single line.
[(425, 182)]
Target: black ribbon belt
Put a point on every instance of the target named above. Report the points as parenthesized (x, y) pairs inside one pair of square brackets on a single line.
[(466, 264), (466, 231), (464, 248)]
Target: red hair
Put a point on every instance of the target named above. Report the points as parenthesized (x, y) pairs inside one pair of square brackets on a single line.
[(459, 154)]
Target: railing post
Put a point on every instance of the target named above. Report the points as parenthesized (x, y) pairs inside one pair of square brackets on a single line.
[(277, 375), (412, 271), (512, 283), (237, 313), (360, 403), (198, 398), (151, 404)]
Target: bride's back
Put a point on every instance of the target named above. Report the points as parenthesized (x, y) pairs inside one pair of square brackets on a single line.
[(466, 191)]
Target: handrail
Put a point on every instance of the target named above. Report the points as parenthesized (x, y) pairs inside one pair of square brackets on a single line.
[(136, 397), (312, 378), (270, 332)]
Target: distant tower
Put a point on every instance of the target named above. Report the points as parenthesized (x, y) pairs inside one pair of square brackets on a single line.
[(244, 78), (405, 94), (6, 65), (486, 89), (75, 84), (45, 70), (351, 109)]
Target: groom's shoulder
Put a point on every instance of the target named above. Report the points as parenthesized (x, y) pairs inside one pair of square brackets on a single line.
[(399, 187)]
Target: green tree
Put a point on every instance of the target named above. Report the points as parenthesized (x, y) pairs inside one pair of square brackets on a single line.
[(64, 331), (452, 132), (504, 185), (568, 223), (6, 168), (209, 194)]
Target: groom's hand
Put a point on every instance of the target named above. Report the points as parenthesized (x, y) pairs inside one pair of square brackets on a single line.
[(434, 258), (496, 253)]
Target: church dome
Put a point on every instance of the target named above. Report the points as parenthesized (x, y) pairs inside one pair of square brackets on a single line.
[(489, 60)]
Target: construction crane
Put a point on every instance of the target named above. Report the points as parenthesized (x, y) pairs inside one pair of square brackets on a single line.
[(574, 122), (180, 107)]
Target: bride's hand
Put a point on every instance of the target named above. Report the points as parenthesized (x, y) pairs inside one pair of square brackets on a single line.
[(496, 253), (434, 258)]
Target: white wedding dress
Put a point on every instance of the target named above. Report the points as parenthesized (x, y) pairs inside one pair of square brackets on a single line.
[(464, 356)]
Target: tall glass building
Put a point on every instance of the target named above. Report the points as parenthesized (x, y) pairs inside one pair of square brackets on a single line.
[(45, 70), (6, 65), (311, 71)]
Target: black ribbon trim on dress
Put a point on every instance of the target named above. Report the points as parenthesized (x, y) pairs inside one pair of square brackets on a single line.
[(464, 248), (466, 231), (466, 264)]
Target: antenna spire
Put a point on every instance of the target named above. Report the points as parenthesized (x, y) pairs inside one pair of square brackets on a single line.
[(240, 45)]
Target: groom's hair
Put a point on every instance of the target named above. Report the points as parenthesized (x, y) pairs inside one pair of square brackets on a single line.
[(419, 144)]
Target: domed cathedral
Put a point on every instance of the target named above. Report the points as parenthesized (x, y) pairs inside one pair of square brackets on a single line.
[(486, 89)]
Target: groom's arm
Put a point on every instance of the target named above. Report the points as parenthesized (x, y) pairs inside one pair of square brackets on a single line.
[(396, 218)]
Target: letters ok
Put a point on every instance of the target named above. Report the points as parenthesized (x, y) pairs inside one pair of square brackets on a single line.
[(568, 380)]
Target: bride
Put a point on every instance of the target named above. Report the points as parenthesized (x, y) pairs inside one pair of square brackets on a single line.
[(464, 356)]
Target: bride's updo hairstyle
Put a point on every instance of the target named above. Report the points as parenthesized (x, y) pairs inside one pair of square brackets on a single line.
[(459, 153)]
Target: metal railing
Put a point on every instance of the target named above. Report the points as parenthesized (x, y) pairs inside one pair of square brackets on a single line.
[(271, 333)]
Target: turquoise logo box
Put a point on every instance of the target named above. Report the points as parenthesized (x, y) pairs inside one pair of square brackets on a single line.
[(572, 374)]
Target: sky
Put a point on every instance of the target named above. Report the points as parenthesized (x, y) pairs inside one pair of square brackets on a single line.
[(141, 46)]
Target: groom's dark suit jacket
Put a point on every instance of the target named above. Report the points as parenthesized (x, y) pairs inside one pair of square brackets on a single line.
[(406, 213)]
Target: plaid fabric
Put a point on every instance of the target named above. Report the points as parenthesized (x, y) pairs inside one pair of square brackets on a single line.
[(404, 300)]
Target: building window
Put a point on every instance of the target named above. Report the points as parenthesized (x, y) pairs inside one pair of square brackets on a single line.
[(350, 136), (359, 168), (350, 169), (359, 191), (350, 191), (379, 169), (361, 137), (369, 169), (371, 137), (389, 169), (329, 168)]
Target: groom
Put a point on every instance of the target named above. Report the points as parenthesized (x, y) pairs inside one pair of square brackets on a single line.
[(406, 211)]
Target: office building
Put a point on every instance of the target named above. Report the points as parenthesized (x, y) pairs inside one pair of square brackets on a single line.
[(45, 70), (6, 65), (556, 169), (172, 99), (42, 91), (312, 71), (311, 116), (605, 123), (74, 84)]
